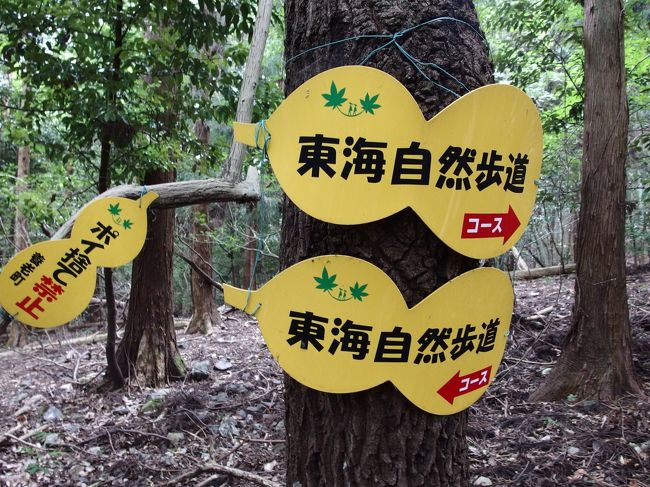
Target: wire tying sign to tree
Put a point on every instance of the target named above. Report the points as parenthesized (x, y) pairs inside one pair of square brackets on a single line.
[(339, 324), (351, 146), (51, 283)]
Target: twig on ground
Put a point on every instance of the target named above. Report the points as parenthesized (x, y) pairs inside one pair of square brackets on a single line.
[(213, 467), (11, 431), (19, 440), (259, 440), (120, 430)]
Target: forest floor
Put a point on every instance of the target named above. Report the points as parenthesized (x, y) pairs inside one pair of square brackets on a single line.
[(226, 422)]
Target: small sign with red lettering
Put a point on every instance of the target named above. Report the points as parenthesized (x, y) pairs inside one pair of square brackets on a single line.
[(51, 283)]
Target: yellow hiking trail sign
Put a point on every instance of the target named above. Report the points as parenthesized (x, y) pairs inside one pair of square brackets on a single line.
[(351, 146), (339, 324), (50, 283)]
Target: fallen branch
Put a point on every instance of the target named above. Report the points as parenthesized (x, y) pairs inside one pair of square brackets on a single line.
[(235, 472), (110, 431), (94, 338), (539, 315), (11, 431), (22, 439), (26, 443), (183, 193), (555, 270)]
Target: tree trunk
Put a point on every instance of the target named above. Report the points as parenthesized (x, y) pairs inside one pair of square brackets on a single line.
[(377, 437), (18, 332), (596, 359), (204, 307), (250, 251), (233, 167), (148, 350), (104, 181)]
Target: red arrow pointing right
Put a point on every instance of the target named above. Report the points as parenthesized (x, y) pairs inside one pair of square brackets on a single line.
[(464, 384), (488, 225)]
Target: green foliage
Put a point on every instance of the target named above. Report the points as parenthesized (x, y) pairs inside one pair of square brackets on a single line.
[(33, 468), (538, 46), (69, 80), (129, 73)]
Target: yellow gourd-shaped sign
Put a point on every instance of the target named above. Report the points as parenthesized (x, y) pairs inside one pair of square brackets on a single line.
[(50, 283), (339, 324), (351, 146)]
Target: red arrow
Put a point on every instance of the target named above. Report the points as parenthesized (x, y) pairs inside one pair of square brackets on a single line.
[(464, 384), (488, 225)]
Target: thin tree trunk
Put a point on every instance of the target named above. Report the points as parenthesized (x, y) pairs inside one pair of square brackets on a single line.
[(204, 307), (18, 332), (596, 359), (250, 251), (377, 437), (104, 182), (233, 167)]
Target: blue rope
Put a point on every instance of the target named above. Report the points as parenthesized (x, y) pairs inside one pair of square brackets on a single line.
[(333, 43), (393, 40), (143, 191), (259, 127), (5, 314)]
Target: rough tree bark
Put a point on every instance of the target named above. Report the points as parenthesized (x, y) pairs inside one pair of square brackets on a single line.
[(596, 359), (148, 350), (377, 437)]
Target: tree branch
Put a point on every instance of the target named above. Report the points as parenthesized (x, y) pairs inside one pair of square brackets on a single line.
[(200, 271), (183, 193)]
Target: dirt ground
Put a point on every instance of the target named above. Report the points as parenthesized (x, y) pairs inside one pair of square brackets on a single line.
[(226, 421)]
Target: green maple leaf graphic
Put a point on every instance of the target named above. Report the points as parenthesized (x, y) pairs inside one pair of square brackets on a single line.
[(368, 104), (127, 224), (334, 97), (325, 281), (358, 291), (114, 209)]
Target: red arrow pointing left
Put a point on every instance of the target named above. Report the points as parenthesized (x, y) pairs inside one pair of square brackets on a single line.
[(464, 384), (488, 225)]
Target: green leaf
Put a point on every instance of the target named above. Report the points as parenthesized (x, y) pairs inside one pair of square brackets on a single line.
[(114, 209), (334, 97), (358, 291), (127, 224), (368, 104), (325, 281)]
